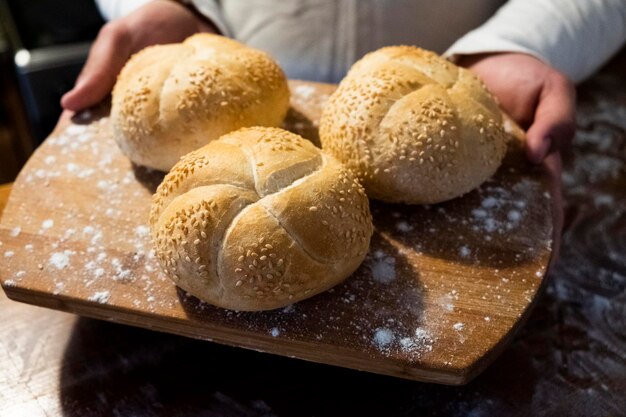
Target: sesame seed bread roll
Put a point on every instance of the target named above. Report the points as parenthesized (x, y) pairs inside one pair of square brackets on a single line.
[(259, 219), (414, 127), (171, 99)]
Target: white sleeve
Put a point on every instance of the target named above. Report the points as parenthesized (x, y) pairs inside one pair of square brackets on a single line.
[(574, 36), (114, 9), (212, 11)]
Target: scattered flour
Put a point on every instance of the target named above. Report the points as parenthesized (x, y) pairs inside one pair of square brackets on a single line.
[(384, 269), (274, 331), (75, 129), (458, 326), (502, 210), (15, 231), (58, 288), (60, 260), (464, 251), (101, 297), (404, 226), (9, 254), (420, 342), (10, 283), (514, 216), (304, 91), (47, 224), (142, 231), (383, 337)]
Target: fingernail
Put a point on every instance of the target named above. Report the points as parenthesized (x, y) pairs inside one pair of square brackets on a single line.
[(538, 155)]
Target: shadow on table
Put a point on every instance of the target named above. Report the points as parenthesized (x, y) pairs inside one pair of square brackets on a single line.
[(149, 178), (344, 317), (111, 369)]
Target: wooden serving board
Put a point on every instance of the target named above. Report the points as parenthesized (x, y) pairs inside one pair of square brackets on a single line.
[(439, 295)]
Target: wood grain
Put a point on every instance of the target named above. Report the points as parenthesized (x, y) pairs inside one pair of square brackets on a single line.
[(5, 190), (441, 293)]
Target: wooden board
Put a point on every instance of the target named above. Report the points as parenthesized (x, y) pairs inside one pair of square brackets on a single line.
[(439, 295)]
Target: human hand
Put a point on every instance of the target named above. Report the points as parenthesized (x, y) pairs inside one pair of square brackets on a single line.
[(157, 22), (535, 95)]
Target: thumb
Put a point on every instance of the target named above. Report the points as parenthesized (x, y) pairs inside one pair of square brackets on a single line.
[(554, 123)]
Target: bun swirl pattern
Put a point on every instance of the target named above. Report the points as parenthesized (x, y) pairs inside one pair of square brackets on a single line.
[(413, 127), (259, 219), (171, 99)]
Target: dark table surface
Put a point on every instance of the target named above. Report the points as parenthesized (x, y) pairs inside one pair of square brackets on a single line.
[(568, 360)]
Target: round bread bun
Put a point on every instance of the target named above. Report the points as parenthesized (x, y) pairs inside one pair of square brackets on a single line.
[(414, 127), (171, 99), (259, 219)]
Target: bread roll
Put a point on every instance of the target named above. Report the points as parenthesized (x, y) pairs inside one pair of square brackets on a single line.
[(414, 127), (259, 219), (171, 99)]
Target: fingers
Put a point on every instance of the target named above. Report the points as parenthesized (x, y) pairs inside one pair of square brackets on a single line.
[(107, 56), (554, 123)]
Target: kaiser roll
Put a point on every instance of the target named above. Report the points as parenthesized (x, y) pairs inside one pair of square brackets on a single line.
[(414, 127), (259, 219), (171, 99)]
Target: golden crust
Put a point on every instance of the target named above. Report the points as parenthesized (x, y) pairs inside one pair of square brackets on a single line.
[(172, 99), (259, 219), (414, 127)]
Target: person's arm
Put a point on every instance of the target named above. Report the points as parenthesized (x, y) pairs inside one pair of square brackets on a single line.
[(530, 53), (148, 22), (574, 36)]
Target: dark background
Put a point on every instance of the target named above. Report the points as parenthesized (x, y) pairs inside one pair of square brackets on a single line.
[(43, 45)]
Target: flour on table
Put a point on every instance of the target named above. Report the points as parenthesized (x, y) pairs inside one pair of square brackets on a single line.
[(501, 210), (304, 91), (60, 260), (142, 231), (101, 297), (403, 226), (47, 224), (383, 337), (421, 341), (58, 288), (275, 332), (383, 268)]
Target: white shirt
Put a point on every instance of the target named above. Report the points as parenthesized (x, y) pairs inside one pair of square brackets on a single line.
[(320, 39)]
